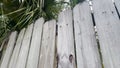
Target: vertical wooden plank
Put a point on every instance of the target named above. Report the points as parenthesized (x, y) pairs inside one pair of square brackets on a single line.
[(9, 50), (4, 44), (108, 26), (22, 58), (117, 3), (16, 49), (47, 53), (33, 57), (86, 45), (65, 44), (1, 48)]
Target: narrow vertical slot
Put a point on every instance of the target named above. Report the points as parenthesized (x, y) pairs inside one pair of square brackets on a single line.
[(97, 39)]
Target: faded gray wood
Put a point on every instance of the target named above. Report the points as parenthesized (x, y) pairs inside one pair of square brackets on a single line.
[(9, 50), (108, 26), (65, 43), (47, 53), (117, 3), (1, 48), (2, 45), (33, 57), (22, 58), (17, 49), (86, 45)]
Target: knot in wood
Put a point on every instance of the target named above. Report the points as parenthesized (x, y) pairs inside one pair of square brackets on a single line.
[(67, 24), (60, 26), (70, 58), (112, 12), (104, 12)]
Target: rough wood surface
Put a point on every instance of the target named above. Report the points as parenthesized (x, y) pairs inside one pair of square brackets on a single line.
[(86, 45), (117, 3), (1, 52), (22, 58), (47, 53), (9, 50), (1, 47), (5, 42), (33, 57), (65, 44), (108, 26), (16, 49)]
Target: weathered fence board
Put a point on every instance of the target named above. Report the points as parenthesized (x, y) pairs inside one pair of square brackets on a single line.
[(75, 42), (47, 53), (22, 58), (33, 57), (108, 26), (65, 44), (16, 49), (117, 3), (86, 46), (1, 50), (1, 47), (9, 50)]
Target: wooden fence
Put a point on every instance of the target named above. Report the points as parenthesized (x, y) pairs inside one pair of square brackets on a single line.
[(71, 42)]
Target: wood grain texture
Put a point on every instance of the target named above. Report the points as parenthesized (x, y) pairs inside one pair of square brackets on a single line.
[(47, 53), (65, 43), (117, 3), (1, 47), (16, 49), (9, 50), (1, 50), (22, 58), (108, 26), (86, 45), (33, 56)]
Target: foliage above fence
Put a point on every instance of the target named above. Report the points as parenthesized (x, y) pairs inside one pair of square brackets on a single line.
[(17, 14)]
